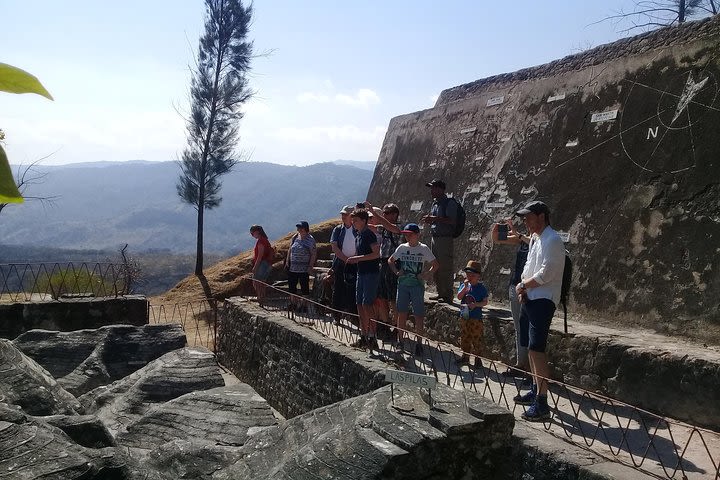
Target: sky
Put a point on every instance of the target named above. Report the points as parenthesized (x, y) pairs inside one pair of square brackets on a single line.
[(328, 76)]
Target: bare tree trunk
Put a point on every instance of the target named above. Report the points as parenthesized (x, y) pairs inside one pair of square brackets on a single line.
[(199, 252), (681, 12)]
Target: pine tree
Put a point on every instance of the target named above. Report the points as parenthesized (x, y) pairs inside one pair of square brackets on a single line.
[(219, 87)]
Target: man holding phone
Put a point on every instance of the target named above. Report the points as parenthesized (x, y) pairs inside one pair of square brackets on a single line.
[(539, 292), (504, 233)]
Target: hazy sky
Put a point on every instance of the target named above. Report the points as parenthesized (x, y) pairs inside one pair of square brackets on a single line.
[(334, 75)]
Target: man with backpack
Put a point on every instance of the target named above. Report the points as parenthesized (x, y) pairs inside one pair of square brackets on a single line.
[(539, 292), (442, 219)]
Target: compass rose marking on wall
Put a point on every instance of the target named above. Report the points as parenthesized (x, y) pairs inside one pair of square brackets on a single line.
[(691, 89)]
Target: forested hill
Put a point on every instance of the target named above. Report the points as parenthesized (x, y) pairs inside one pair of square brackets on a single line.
[(106, 205)]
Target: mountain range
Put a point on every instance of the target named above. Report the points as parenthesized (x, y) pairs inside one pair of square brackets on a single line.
[(105, 205)]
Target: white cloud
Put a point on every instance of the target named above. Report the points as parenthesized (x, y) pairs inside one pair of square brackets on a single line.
[(362, 98), (343, 133), (256, 107), (311, 97)]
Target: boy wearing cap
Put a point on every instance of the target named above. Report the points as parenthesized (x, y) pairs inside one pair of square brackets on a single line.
[(412, 257), (473, 296)]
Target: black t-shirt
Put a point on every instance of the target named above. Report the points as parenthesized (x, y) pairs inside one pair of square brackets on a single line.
[(363, 245), (520, 259)]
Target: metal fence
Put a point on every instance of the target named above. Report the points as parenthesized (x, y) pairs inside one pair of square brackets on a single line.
[(44, 281), (659, 446), (198, 320), (653, 444)]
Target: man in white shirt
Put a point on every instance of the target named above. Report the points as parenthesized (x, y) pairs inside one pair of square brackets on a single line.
[(539, 293), (342, 241)]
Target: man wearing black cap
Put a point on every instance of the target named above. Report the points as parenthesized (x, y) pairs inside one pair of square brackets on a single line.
[(442, 219), (539, 293)]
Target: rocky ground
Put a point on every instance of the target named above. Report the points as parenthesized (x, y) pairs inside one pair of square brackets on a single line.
[(127, 402)]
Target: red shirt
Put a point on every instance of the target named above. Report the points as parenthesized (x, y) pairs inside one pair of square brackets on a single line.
[(268, 250)]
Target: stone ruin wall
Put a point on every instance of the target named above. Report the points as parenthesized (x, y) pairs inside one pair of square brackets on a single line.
[(622, 141)]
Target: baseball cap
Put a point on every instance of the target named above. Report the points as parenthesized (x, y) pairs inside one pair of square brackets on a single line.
[(347, 209), (303, 224), (411, 228), (536, 207), (436, 183)]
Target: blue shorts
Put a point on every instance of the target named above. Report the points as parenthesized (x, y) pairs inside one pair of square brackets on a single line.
[(263, 271), (366, 288), (411, 295), (535, 318)]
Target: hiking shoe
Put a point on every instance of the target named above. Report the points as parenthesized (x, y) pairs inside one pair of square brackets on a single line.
[(513, 372), (463, 360), (527, 399), (537, 413)]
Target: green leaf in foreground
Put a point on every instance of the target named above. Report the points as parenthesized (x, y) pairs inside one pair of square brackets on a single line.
[(8, 190), (15, 80)]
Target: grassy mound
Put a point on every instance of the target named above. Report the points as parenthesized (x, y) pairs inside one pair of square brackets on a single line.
[(231, 277)]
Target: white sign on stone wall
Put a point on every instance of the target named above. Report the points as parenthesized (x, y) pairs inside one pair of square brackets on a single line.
[(416, 206), (604, 116), (495, 101)]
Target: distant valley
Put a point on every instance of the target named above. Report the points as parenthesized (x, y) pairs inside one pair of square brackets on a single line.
[(102, 206)]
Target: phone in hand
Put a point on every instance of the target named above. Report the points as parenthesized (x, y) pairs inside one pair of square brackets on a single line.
[(502, 231)]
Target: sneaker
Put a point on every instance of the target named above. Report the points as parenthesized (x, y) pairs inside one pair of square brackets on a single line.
[(536, 413), (372, 344), (527, 399)]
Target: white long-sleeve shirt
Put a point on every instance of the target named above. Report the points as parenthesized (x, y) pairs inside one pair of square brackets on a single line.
[(545, 264)]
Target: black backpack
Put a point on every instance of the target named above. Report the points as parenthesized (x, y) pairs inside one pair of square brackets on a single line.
[(565, 287), (459, 220)]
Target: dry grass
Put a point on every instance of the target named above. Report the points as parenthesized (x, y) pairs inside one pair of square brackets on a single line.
[(231, 277), (187, 302)]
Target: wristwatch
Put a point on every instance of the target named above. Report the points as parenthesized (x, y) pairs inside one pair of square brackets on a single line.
[(521, 285)]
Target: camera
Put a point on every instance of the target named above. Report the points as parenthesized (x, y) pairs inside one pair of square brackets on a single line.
[(360, 205), (502, 231)]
